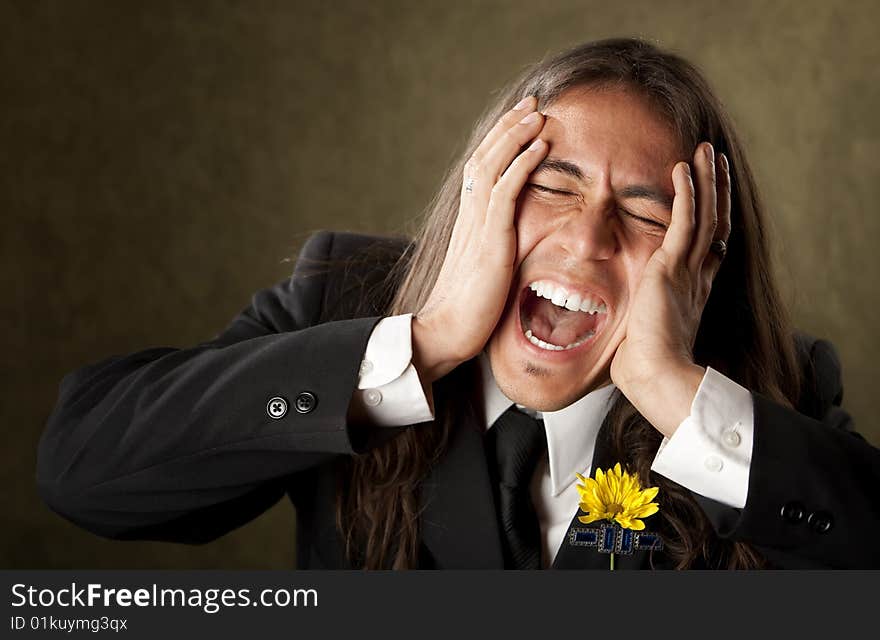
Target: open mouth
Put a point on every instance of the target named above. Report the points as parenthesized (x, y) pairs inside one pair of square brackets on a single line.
[(555, 319)]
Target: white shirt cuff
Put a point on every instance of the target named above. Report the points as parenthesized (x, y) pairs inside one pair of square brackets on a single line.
[(389, 385), (711, 451)]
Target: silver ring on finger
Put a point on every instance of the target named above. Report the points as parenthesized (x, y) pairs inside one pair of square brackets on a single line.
[(719, 248), (469, 185)]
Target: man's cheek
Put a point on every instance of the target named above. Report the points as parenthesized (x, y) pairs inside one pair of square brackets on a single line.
[(615, 337), (529, 231), (635, 268), (523, 251)]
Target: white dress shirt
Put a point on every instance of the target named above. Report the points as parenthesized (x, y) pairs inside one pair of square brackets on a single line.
[(710, 452)]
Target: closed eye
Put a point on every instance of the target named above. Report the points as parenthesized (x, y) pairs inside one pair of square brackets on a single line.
[(543, 189), (646, 221)]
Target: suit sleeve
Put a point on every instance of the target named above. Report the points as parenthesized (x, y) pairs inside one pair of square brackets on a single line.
[(812, 500), (178, 444)]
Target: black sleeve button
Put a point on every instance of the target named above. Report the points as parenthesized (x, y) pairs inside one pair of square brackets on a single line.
[(820, 521), (305, 402), (792, 512)]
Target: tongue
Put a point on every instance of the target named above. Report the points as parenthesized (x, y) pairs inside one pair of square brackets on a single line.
[(557, 325)]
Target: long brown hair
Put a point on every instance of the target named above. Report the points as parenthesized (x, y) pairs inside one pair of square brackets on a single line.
[(744, 332)]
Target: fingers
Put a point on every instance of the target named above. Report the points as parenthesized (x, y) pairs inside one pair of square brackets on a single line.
[(499, 148), (502, 204), (509, 144), (523, 108), (700, 214), (484, 168), (677, 241), (724, 225), (706, 220), (722, 232)]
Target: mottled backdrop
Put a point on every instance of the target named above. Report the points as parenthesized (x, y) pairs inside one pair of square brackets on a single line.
[(159, 162)]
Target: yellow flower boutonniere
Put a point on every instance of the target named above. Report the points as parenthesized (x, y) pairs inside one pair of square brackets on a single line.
[(617, 496)]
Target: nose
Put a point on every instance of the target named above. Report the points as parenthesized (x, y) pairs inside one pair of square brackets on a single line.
[(589, 233)]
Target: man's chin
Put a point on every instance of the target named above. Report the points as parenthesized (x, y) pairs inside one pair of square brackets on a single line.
[(538, 388)]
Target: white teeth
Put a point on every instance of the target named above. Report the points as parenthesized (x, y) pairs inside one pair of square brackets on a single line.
[(558, 297), (573, 302), (561, 298), (586, 304), (555, 347)]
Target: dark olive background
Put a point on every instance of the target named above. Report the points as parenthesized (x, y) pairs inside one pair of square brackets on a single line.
[(160, 161)]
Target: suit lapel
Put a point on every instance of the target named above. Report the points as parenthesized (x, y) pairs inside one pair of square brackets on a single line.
[(458, 521)]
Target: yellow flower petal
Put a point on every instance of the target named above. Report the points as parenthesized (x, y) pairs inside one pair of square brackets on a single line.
[(589, 503), (645, 511), (636, 525), (616, 495), (627, 484)]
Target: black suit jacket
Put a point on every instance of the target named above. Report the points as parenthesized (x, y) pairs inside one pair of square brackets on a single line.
[(177, 444)]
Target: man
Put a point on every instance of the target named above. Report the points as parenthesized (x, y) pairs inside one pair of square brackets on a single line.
[(602, 265)]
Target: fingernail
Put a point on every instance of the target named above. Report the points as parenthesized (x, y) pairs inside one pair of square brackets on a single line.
[(522, 104), (534, 116), (537, 144), (724, 165), (709, 152)]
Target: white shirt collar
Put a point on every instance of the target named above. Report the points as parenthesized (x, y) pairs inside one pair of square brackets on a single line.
[(571, 431)]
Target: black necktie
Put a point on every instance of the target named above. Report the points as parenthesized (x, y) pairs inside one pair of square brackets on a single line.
[(519, 442)]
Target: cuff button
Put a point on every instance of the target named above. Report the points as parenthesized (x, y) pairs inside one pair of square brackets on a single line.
[(731, 439), (305, 402), (276, 407), (713, 463), (792, 512), (372, 397), (820, 521), (366, 367)]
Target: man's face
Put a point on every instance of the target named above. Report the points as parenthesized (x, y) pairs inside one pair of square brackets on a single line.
[(588, 221)]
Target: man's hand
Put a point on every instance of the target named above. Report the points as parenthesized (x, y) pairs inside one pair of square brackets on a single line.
[(468, 298), (654, 365)]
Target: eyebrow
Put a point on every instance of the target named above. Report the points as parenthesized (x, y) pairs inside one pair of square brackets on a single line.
[(561, 166), (636, 191), (646, 193)]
